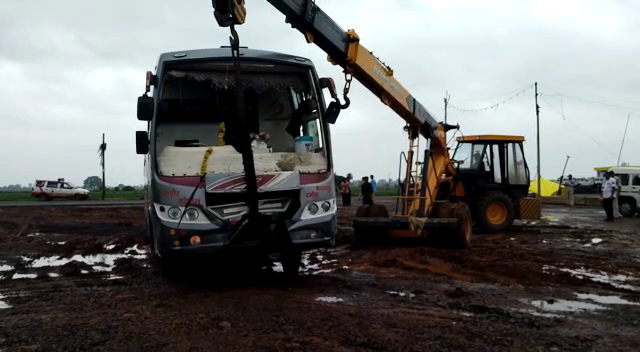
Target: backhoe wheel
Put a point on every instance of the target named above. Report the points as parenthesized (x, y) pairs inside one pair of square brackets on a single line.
[(459, 237), (367, 235), (462, 236), (495, 212)]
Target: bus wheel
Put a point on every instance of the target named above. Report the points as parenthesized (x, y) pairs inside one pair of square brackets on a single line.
[(291, 259), (168, 266)]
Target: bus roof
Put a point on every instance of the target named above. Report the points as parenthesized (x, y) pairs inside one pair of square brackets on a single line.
[(225, 52)]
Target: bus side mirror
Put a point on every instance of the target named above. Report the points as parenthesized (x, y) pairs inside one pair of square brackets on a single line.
[(333, 110), (142, 142), (328, 83), (145, 107), (331, 115)]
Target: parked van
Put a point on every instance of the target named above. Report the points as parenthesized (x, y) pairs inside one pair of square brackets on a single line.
[(629, 189)]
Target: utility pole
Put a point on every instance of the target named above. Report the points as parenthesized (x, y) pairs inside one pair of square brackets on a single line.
[(623, 136), (446, 105), (562, 176), (538, 138), (101, 151)]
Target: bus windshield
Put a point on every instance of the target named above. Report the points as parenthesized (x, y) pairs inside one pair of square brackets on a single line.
[(198, 109)]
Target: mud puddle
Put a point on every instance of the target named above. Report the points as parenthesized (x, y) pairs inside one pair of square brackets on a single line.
[(313, 263), (3, 304), (621, 281), (33, 267), (584, 302), (18, 276), (605, 299), (562, 305), (329, 299), (401, 294), (98, 262)]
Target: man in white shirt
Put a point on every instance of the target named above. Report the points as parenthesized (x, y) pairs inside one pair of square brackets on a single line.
[(607, 195), (616, 198), (570, 184)]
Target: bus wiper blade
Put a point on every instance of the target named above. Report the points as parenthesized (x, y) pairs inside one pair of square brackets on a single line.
[(193, 193)]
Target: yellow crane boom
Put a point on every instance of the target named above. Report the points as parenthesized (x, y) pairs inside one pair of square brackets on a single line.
[(344, 49)]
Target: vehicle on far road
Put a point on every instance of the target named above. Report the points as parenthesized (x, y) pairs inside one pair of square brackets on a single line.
[(597, 182), (584, 185), (48, 189), (629, 189), (584, 181)]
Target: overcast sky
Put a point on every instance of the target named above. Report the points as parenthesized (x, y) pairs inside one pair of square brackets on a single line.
[(71, 70)]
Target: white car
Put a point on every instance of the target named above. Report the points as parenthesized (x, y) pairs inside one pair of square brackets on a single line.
[(629, 189), (48, 189), (584, 182)]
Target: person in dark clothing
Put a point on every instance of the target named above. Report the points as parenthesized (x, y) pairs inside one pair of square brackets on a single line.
[(366, 191), (349, 178)]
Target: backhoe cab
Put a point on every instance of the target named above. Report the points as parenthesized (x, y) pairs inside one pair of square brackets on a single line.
[(495, 177)]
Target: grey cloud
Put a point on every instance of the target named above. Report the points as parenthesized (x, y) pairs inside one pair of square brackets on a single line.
[(75, 68)]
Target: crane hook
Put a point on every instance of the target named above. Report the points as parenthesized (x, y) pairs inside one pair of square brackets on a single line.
[(346, 104), (347, 86)]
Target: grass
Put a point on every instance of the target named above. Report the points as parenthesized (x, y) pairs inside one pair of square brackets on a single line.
[(380, 193), (96, 195), (138, 195)]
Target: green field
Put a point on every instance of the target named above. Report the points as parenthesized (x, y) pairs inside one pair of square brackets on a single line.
[(138, 195), (381, 192), (110, 195)]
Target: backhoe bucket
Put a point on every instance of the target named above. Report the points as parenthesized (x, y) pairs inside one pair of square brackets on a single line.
[(449, 225)]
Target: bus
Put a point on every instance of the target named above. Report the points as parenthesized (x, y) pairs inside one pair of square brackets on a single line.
[(198, 201)]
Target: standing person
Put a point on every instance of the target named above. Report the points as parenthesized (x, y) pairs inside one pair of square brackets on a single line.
[(616, 197), (345, 190), (606, 194), (570, 184), (349, 178), (374, 184), (366, 191)]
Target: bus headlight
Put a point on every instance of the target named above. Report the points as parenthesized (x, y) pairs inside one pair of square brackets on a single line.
[(326, 206), (313, 208), (191, 214), (174, 213)]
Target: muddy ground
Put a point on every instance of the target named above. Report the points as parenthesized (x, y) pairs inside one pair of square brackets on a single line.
[(78, 278)]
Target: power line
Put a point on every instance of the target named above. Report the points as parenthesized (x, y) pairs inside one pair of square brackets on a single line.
[(496, 96), (635, 102), (578, 127), (590, 100), (493, 106)]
